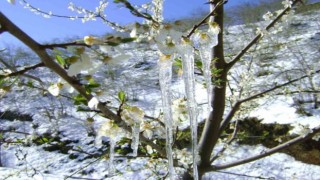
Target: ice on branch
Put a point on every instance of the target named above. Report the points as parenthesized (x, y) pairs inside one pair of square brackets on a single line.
[(133, 116), (187, 54), (168, 39), (165, 77), (157, 10), (204, 42), (111, 130)]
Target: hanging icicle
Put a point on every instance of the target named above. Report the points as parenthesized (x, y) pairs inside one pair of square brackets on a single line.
[(187, 53), (112, 168), (204, 42), (165, 76), (133, 116)]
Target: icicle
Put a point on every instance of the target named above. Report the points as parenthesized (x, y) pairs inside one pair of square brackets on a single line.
[(205, 41), (205, 55), (186, 52), (112, 168), (165, 76), (135, 138), (133, 116)]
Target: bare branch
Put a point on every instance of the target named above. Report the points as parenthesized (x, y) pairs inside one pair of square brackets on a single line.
[(204, 20), (64, 45), (237, 105), (21, 72), (268, 152), (46, 59), (96, 15)]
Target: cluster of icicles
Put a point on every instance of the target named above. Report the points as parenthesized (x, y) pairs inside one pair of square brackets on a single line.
[(204, 42)]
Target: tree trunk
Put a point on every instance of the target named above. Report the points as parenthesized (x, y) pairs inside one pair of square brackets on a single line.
[(210, 133)]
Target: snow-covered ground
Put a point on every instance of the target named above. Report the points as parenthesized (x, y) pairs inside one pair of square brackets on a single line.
[(138, 77)]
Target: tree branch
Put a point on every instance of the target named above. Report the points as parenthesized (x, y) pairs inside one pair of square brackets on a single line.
[(237, 105), (195, 27), (258, 36), (46, 59), (268, 152), (21, 72), (64, 45)]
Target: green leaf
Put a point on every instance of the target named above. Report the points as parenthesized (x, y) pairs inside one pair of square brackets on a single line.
[(79, 99), (127, 40), (60, 60), (198, 64), (122, 96)]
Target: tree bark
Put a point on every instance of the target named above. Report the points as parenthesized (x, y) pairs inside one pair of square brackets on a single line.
[(210, 133)]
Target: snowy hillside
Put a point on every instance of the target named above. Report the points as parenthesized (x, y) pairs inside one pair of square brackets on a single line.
[(54, 141)]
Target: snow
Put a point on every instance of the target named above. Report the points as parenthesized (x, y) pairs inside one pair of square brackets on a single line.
[(138, 76)]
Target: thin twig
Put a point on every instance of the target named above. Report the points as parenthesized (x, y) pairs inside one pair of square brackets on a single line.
[(278, 148), (24, 70), (237, 105), (195, 27)]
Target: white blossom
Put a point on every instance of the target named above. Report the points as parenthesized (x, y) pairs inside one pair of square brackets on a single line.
[(168, 39), (91, 40), (54, 89), (93, 103), (109, 129), (287, 3), (268, 16), (132, 115)]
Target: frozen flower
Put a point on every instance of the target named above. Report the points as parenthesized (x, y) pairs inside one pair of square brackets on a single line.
[(185, 47), (91, 40), (180, 111), (268, 16), (214, 28), (147, 130), (151, 129), (184, 157), (287, 3), (93, 103), (132, 115), (12, 1), (168, 39), (109, 129)]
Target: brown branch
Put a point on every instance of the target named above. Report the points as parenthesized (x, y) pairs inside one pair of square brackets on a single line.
[(278, 148), (64, 45), (258, 36), (26, 69), (204, 20)]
